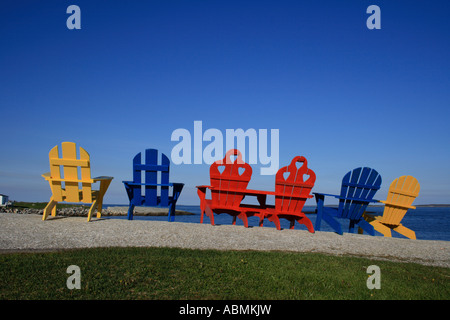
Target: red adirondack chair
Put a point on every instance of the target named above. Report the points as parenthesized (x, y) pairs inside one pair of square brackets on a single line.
[(291, 193), (292, 189), (229, 180), (229, 186)]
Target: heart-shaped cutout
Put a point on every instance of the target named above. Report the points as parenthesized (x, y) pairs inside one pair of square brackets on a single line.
[(306, 177), (241, 170), (299, 164), (286, 175), (221, 169)]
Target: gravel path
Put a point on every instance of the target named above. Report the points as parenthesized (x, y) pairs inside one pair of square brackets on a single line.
[(27, 232)]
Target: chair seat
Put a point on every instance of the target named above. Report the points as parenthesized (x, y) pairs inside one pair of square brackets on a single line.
[(94, 196), (142, 203)]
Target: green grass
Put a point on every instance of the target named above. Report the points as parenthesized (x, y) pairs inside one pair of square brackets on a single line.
[(169, 273)]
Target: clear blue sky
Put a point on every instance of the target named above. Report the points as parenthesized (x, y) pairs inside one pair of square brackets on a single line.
[(340, 94)]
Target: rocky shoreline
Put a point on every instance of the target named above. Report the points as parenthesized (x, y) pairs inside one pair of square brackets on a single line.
[(82, 211)]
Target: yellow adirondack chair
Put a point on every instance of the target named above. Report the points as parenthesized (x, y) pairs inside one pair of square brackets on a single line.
[(402, 193), (67, 188)]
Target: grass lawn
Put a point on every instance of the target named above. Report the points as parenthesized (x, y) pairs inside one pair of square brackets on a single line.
[(170, 273)]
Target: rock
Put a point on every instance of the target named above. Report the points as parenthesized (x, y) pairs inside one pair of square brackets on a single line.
[(82, 211), (143, 211)]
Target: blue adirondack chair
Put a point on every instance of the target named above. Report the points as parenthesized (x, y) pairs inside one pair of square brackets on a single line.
[(357, 191), (151, 185)]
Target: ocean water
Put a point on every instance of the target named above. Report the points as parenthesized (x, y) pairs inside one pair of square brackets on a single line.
[(429, 223)]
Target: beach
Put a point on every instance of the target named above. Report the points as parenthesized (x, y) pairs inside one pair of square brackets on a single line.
[(28, 233)]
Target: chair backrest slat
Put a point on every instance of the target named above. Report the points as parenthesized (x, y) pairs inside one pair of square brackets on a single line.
[(85, 176), (137, 196), (151, 176), (164, 180), (55, 172)]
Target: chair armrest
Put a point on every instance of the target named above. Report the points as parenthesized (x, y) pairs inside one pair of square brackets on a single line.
[(47, 176), (344, 198), (177, 184), (357, 199), (325, 194), (131, 183), (397, 205), (102, 178), (177, 187), (204, 187)]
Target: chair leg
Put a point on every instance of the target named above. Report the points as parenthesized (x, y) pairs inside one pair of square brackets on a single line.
[(333, 223), (292, 223), (171, 215), (405, 231), (322, 215), (104, 184), (210, 214), (91, 210), (307, 222), (351, 226), (274, 218), (244, 219), (381, 228), (130, 212), (261, 219), (54, 211), (319, 200), (50, 207), (99, 208), (202, 195), (366, 226)]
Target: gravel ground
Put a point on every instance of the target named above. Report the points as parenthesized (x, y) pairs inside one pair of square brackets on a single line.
[(27, 232)]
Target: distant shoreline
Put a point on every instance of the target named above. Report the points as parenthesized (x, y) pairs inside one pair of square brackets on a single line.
[(373, 205), (121, 209), (82, 210), (432, 205)]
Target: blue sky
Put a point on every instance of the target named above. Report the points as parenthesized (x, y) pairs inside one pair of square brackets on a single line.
[(340, 94)]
